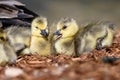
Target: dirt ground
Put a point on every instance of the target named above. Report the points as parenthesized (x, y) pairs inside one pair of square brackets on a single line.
[(98, 65)]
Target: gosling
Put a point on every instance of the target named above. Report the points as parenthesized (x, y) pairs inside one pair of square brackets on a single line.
[(7, 53), (95, 35), (30, 40), (39, 37), (64, 36)]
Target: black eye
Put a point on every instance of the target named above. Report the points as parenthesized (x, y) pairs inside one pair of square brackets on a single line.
[(2, 38), (36, 27), (64, 27)]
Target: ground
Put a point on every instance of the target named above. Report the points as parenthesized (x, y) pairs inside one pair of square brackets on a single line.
[(98, 65)]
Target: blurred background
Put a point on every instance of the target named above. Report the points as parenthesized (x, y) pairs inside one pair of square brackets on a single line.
[(77, 9)]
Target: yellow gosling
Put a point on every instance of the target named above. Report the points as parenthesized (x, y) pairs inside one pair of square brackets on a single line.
[(64, 36), (39, 37)]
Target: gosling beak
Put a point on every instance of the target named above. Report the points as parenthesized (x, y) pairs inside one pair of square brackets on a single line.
[(44, 33), (57, 32), (59, 35)]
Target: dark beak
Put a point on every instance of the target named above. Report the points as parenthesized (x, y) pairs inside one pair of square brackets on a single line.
[(57, 32), (44, 33)]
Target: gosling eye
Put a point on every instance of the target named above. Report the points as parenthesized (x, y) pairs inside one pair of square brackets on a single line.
[(36, 27), (64, 27), (2, 38)]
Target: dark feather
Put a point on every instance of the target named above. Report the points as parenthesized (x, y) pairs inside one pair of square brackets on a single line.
[(15, 13)]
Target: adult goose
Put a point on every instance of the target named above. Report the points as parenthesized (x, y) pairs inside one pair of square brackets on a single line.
[(13, 12)]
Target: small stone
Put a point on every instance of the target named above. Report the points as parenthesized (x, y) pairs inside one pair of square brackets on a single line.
[(13, 72)]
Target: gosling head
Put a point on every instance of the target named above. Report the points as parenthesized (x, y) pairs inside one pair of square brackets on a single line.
[(66, 28), (39, 27)]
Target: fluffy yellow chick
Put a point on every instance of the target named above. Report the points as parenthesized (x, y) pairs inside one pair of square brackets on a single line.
[(7, 53), (30, 40), (64, 36), (39, 37), (94, 35)]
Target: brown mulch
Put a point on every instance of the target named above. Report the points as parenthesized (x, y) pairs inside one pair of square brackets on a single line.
[(98, 65)]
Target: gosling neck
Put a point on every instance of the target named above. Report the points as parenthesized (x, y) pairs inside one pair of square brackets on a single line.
[(66, 40), (40, 37)]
